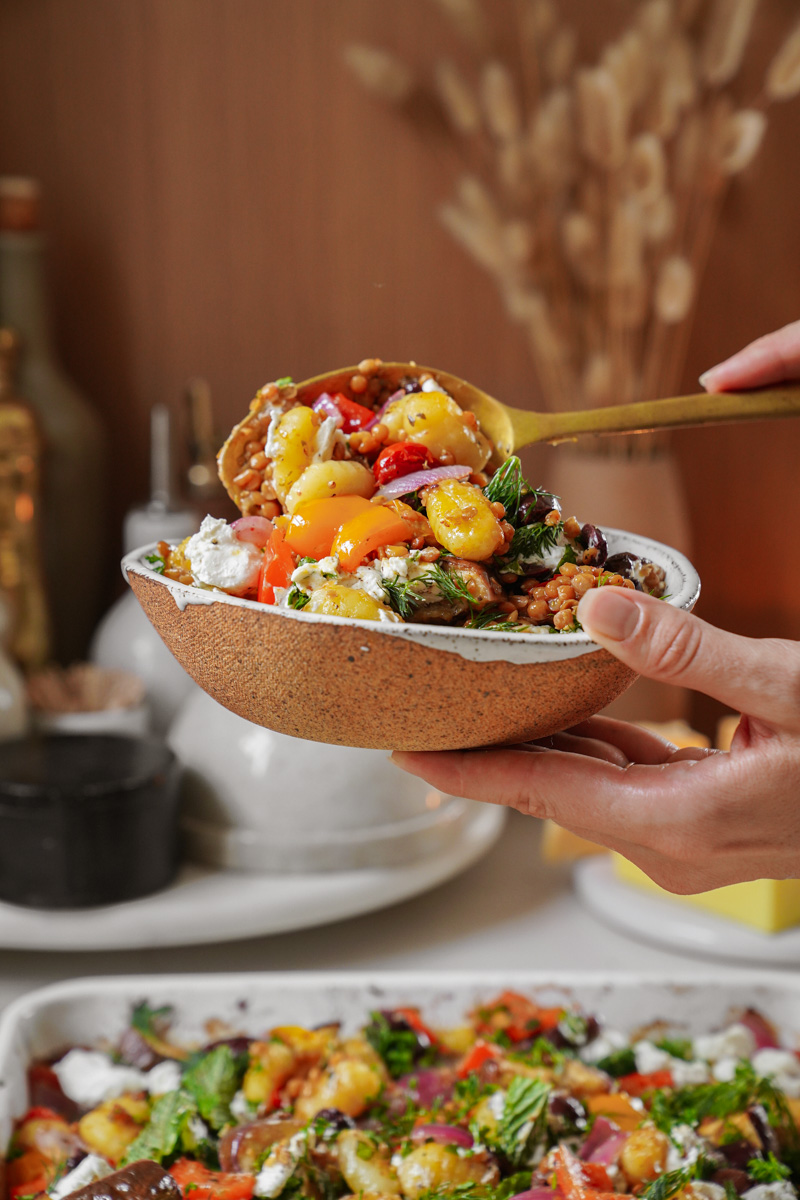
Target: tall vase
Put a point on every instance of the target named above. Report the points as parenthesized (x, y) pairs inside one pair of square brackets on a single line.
[(642, 493)]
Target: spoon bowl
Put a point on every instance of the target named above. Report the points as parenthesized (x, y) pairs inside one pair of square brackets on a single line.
[(511, 428), (391, 686)]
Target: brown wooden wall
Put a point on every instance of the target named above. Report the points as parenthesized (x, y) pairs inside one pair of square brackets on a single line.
[(224, 200)]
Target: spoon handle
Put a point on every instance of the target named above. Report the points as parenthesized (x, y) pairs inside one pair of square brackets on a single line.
[(702, 409)]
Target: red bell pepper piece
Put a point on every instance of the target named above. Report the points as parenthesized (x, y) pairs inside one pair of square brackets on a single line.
[(480, 1053), (402, 458), (636, 1084), (355, 416), (276, 569), (417, 1024), (523, 1018), (201, 1183)]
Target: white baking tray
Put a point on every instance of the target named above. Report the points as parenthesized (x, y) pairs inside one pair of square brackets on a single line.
[(82, 1011)]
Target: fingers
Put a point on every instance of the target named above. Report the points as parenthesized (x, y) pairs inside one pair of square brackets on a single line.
[(760, 677), (571, 743), (770, 359), (606, 802), (637, 744)]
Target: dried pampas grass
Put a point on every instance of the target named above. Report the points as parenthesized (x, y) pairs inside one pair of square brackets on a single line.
[(590, 193), (380, 72), (783, 76)]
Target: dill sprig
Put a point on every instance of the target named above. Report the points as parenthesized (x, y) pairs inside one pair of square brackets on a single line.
[(296, 597), (507, 487), (531, 542), (405, 594), (492, 619)]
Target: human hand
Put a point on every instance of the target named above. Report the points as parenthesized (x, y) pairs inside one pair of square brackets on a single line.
[(770, 359), (692, 819)]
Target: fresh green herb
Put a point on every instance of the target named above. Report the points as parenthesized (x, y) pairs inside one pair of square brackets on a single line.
[(467, 1092), (303, 562), (506, 487), (512, 1185), (524, 1118), (156, 562), (767, 1170), (405, 594), (286, 381), (677, 1047), (574, 1028), (672, 1182), (365, 1150), (213, 1082), (690, 1105), (151, 1022), (296, 597), (491, 619), (189, 1187), (569, 556), (542, 1053), (395, 1126), (160, 1136), (618, 1062), (399, 1048), (530, 543)]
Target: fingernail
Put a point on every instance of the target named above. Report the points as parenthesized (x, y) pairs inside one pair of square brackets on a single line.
[(705, 377), (610, 612)]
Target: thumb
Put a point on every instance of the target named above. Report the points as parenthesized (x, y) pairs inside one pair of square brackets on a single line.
[(760, 677)]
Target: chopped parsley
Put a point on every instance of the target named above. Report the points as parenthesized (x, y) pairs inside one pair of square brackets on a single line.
[(286, 381), (767, 1170), (156, 562), (690, 1105), (677, 1047), (399, 1048), (618, 1062), (512, 1185), (296, 597)]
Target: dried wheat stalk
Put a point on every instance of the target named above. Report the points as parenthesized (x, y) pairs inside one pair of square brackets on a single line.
[(594, 190)]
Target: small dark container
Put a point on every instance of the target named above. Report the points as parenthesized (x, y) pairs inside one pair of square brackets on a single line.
[(86, 820)]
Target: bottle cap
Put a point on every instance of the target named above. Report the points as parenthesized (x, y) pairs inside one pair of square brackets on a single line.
[(20, 203)]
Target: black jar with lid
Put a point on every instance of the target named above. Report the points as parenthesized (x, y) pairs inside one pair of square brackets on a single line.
[(86, 820)]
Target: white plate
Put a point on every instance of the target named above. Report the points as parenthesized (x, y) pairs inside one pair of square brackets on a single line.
[(82, 1011), (205, 905), (677, 926)]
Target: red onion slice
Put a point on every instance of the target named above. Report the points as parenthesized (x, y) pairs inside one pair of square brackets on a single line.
[(427, 1086), (394, 396), (253, 529), (603, 1143), (760, 1028), (327, 405), (539, 1193), (446, 1135), (418, 479)]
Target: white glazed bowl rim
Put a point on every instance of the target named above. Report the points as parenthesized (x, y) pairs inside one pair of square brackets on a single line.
[(479, 645)]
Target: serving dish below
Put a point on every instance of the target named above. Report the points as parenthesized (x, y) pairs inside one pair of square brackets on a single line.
[(391, 686), (93, 1012)]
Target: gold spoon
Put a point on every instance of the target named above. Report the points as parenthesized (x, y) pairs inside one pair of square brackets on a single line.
[(511, 428)]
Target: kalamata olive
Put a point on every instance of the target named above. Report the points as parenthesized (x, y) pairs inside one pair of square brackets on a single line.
[(566, 1113), (534, 508), (143, 1180), (739, 1179), (739, 1154), (236, 1045), (593, 539), (336, 1119), (137, 1051), (766, 1134), (623, 564), (45, 1091)]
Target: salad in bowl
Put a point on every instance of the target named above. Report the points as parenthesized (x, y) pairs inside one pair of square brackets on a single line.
[(376, 501)]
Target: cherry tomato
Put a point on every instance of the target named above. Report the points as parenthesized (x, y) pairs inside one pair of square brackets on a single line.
[(403, 458), (480, 1053), (636, 1083)]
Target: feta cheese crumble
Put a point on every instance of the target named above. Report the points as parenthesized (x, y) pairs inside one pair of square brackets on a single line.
[(89, 1076), (781, 1190), (218, 558), (782, 1067), (734, 1042), (88, 1170)]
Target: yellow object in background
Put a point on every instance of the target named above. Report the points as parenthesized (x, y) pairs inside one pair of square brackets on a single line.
[(767, 904)]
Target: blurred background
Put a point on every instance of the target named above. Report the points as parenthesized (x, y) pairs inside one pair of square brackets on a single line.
[(224, 199), (200, 196)]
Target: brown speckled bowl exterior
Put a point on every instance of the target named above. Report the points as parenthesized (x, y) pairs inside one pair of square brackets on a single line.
[(350, 686)]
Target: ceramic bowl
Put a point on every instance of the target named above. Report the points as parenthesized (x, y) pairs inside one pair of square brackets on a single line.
[(348, 808), (387, 686)]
